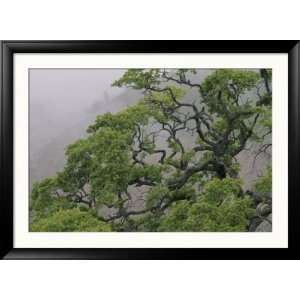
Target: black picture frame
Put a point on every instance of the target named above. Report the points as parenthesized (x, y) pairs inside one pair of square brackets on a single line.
[(9, 48)]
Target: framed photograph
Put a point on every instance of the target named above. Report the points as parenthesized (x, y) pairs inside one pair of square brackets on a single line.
[(149, 150)]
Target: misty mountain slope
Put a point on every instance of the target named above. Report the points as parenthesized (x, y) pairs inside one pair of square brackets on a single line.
[(62, 106), (51, 157)]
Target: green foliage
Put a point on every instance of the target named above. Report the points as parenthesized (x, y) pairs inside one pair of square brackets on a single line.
[(266, 117), (156, 195), (222, 88), (219, 209), (218, 191), (43, 193), (110, 164), (77, 168), (69, 220), (227, 80), (148, 223), (125, 120), (139, 78), (166, 96), (264, 184)]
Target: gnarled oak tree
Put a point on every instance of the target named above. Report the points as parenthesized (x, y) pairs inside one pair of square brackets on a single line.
[(176, 148)]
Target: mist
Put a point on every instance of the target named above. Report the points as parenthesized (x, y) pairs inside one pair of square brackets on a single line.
[(63, 103)]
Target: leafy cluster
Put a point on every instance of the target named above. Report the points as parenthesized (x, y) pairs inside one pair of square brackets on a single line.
[(69, 220), (219, 208)]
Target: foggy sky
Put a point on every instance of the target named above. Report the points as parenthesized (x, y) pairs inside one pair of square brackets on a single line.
[(58, 94), (63, 102)]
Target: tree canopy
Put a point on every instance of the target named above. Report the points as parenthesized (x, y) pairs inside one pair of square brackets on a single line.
[(176, 147)]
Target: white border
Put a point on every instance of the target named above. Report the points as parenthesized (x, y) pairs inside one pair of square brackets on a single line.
[(277, 238)]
